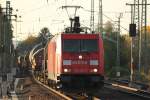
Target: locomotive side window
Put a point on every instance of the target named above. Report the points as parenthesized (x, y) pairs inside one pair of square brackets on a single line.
[(71, 45), (89, 45)]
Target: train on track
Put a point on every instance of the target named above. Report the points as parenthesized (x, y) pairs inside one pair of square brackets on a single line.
[(73, 58)]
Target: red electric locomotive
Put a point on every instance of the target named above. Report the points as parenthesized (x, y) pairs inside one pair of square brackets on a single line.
[(76, 58)]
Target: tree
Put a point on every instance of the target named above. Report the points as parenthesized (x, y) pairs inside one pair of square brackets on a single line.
[(45, 33), (27, 44), (110, 49), (108, 28)]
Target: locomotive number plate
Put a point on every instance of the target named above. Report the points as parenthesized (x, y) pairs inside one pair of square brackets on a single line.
[(79, 62)]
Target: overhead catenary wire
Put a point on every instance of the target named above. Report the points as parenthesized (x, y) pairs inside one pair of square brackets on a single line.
[(43, 6), (47, 17), (107, 18), (116, 23), (34, 9), (38, 8)]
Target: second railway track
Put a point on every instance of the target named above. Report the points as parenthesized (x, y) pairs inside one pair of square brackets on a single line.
[(31, 89)]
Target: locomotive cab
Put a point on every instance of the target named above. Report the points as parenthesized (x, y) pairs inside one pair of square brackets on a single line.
[(82, 59)]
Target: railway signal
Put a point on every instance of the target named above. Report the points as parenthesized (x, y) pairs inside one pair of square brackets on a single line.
[(132, 30)]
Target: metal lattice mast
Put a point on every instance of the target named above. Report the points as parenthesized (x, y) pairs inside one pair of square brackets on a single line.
[(137, 22), (144, 30), (118, 46), (100, 17), (136, 13), (92, 16)]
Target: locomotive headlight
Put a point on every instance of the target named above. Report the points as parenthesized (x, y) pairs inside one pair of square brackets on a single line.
[(65, 70), (95, 70), (80, 56), (66, 62), (93, 62)]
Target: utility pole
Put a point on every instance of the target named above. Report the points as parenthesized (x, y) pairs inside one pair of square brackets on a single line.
[(131, 66), (133, 10), (135, 17), (100, 17), (20, 23), (136, 20), (16, 21), (92, 17), (144, 32), (118, 46), (7, 50)]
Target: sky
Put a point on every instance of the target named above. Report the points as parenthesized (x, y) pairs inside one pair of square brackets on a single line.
[(36, 14)]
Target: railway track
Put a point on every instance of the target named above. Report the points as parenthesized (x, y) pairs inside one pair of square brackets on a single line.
[(128, 90), (32, 89), (58, 94), (110, 92), (29, 89), (70, 94), (133, 91), (67, 93)]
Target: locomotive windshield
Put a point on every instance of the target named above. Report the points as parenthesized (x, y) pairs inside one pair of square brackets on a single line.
[(71, 45), (89, 45), (84, 45)]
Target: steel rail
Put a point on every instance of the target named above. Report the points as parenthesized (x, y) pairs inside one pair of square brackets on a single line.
[(57, 95), (128, 89)]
